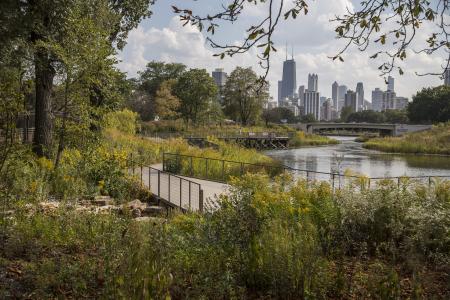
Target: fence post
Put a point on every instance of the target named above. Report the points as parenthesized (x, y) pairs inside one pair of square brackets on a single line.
[(206, 168), (141, 174), (159, 184), (149, 176), (200, 201), (181, 186), (190, 168), (307, 176), (398, 182), (333, 182), (164, 161), (223, 170), (369, 184), (429, 181), (169, 188), (190, 183)]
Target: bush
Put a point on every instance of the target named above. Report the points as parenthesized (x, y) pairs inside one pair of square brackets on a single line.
[(124, 121)]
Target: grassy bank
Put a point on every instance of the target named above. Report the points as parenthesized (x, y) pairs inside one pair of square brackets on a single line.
[(434, 141), (302, 139), (263, 241)]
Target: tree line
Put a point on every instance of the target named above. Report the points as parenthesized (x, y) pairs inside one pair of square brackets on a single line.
[(171, 91)]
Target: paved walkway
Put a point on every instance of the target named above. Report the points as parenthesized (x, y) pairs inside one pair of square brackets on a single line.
[(210, 189)]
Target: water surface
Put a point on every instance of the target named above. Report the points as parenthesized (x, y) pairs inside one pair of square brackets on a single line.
[(351, 155)]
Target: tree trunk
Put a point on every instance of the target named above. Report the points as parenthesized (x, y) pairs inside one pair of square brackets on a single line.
[(44, 74)]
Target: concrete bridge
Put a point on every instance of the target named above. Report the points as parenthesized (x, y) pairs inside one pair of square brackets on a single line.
[(383, 129)]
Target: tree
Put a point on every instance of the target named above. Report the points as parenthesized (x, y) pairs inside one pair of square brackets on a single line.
[(430, 105), (345, 113), (275, 115), (396, 116), (368, 116), (244, 96), (309, 118), (388, 23), (166, 104), (197, 91), (40, 26), (149, 82)]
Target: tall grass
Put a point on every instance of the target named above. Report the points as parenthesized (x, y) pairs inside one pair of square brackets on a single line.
[(266, 239), (301, 139), (434, 141)]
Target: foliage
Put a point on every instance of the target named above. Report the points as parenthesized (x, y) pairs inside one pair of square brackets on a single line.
[(279, 238), (149, 82), (197, 91), (431, 105), (305, 139), (166, 104), (124, 121), (393, 116), (434, 141), (275, 115), (346, 111), (244, 96)]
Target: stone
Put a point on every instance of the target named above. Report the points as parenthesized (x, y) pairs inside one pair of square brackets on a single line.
[(48, 206), (154, 210), (103, 200), (136, 213), (135, 204)]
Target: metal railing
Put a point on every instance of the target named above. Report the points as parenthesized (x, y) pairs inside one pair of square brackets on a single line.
[(225, 134), (220, 170), (174, 190)]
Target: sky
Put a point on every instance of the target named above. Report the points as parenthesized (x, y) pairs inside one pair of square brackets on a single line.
[(163, 38)]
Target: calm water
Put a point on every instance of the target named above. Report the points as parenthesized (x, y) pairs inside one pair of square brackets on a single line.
[(350, 155)]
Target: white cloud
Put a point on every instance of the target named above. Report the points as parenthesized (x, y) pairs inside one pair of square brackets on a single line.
[(313, 39)]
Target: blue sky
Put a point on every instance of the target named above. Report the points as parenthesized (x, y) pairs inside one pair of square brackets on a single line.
[(163, 38)]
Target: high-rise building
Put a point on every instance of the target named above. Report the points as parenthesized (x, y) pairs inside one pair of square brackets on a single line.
[(388, 100), (360, 91), (351, 100), (342, 90), (313, 82), (400, 103), (301, 95), (327, 110), (334, 93), (447, 77), (312, 104), (390, 84), (377, 100), (220, 77), (289, 80), (280, 87)]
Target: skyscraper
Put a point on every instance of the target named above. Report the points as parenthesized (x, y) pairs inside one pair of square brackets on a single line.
[(342, 90), (312, 104), (447, 77), (334, 94), (351, 100), (377, 100), (301, 95), (220, 78), (313, 83), (289, 80), (390, 84), (360, 91)]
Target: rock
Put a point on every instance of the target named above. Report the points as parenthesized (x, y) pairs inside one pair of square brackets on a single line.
[(154, 210), (135, 204), (48, 206), (103, 200), (152, 220), (136, 213)]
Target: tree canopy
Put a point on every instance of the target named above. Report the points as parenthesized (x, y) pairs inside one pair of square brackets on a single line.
[(430, 105)]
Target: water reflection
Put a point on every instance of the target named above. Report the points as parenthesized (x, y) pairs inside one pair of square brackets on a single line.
[(349, 155)]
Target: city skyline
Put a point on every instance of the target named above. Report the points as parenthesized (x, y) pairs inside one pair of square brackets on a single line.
[(163, 38)]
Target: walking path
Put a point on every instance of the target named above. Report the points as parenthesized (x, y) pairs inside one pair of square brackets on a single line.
[(181, 192)]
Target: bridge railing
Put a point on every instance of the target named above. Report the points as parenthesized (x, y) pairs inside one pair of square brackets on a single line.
[(220, 170), (173, 190)]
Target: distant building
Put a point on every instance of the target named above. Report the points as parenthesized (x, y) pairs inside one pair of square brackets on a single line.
[(388, 100), (334, 94), (312, 104), (327, 110), (313, 82), (301, 95), (390, 84), (360, 91), (447, 77), (288, 85), (377, 100), (351, 100), (400, 103), (367, 105), (342, 90), (220, 78)]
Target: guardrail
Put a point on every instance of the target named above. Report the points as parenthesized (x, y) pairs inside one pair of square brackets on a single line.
[(173, 190), (220, 170)]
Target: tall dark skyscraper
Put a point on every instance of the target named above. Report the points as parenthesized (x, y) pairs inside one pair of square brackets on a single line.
[(360, 91), (289, 82)]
